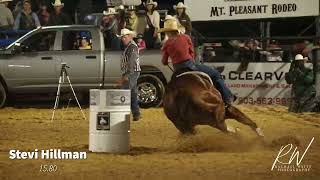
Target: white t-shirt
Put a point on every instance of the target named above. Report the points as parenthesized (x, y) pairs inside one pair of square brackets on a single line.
[(155, 19)]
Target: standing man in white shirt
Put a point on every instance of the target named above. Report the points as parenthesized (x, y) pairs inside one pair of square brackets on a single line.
[(6, 17)]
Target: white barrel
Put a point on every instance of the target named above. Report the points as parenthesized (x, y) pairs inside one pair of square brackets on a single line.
[(109, 126)]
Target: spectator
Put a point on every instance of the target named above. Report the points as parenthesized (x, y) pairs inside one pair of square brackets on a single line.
[(303, 89), (44, 15), (153, 24), (109, 26), (84, 44), (132, 20), (6, 17), (5, 2), (121, 18), (140, 42), (273, 52), (183, 18), (58, 17), (248, 53), (17, 9), (26, 19)]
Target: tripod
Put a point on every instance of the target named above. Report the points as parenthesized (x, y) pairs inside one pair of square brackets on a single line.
[(63, 74)]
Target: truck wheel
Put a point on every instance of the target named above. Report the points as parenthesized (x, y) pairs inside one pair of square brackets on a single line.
[(150, 91), (3, 96)]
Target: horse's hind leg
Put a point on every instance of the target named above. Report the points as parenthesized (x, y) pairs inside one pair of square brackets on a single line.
[(234, 113)]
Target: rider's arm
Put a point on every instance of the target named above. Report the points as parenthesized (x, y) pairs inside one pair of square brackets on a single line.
[(191, 50), (165, 54)]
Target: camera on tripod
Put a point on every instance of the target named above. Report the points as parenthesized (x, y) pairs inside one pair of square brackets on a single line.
[(64, 65), (63, 75)]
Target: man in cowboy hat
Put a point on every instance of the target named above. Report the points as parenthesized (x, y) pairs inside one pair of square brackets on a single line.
[(303, 89), (130, 67), (58, 17), (6, 17), (109, 26), (179, 48), (132, 20)]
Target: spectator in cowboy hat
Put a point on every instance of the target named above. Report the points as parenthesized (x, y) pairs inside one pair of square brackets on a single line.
[(121, 17), (183, 18), (130, 67), (6, 17), (5, 2), (58, 17), (153, 24), (26, 19), (303, 90), (109, 26), (132, 20)]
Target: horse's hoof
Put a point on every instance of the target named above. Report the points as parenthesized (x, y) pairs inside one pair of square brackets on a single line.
[(233, 130), (259, 132)]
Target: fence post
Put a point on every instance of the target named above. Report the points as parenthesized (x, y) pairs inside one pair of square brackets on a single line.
[(316, 57)]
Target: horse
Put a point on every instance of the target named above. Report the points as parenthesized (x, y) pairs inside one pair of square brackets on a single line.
[(191, 99)]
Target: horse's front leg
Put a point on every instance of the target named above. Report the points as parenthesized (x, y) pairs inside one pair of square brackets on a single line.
[(234, 113)]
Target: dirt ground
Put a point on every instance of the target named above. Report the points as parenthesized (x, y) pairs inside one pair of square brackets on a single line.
[(157, 149)]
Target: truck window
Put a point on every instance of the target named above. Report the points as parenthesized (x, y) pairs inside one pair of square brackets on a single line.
[(76, 40), (43, 41)]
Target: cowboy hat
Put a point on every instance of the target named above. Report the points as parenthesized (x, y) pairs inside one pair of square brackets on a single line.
[(151, 2), (299, 57), (111, 11), (180, 5), (131, 8), (169, 17), (181, 28), (125, 32), (169, 25), (121, 7), (26, 1), (5, 1), (57, 3)]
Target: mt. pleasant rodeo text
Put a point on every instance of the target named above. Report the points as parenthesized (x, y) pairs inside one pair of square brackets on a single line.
[(47, 154)]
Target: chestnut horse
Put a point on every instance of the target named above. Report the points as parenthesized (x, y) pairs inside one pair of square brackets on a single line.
[(191, 99)]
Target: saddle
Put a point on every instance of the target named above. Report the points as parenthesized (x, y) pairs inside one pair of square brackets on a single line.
[(188, 71)]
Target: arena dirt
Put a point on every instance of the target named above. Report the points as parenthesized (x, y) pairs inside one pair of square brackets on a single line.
[(158, 151)]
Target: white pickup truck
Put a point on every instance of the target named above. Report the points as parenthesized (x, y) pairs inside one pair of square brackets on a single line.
[(32, 64)]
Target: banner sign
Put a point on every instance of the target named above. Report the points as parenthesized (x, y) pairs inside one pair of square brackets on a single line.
[(261, 83), (123, 2), (208, 10)]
